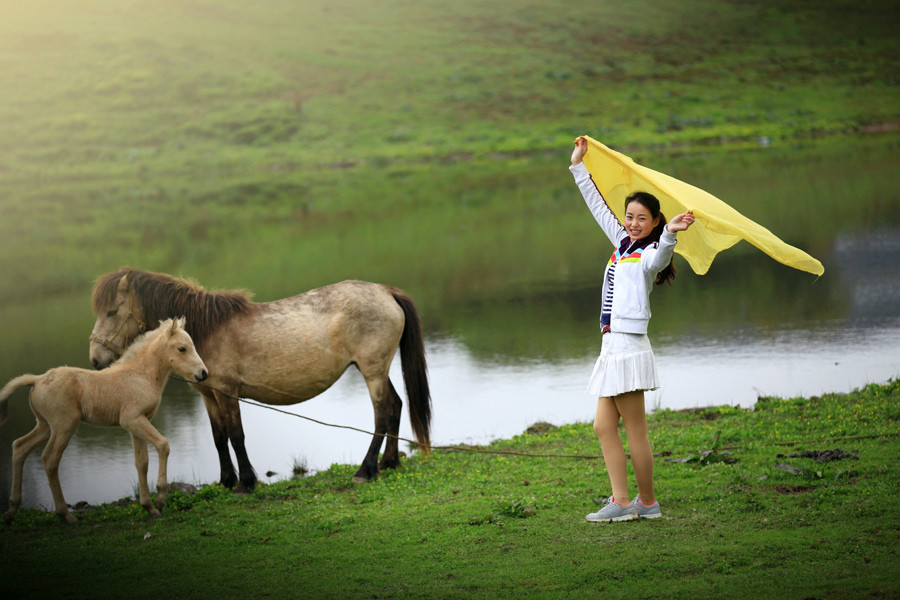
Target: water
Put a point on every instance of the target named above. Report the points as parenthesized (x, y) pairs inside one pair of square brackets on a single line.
[(749, 328)]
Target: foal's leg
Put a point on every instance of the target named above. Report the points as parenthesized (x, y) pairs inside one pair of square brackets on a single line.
[(60, 435), (142, 431), (22, 447), (142, 463)]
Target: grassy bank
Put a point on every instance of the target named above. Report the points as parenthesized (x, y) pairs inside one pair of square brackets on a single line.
[(745, 517)]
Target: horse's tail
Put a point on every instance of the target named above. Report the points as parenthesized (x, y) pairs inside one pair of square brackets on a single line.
[(415, 372), (9, 388)]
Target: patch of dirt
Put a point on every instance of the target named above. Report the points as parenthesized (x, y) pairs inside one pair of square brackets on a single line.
[(822, 456), (540, 427), (793, 489)]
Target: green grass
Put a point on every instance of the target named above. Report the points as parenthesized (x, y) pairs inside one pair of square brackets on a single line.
[(109, 87), (485, 525)]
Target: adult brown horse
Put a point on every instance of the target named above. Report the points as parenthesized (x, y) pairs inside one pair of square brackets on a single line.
[(279, 353)]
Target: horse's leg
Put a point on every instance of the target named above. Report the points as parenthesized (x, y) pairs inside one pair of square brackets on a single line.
[(142, 431), (380, 391), (22, 447), (52, 454), (231, 410), (392, 407), (227, 475)]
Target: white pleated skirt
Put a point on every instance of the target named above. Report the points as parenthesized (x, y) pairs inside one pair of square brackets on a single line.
[(625, 364)]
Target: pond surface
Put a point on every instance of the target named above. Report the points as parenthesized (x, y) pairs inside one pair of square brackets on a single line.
[(750, 328)]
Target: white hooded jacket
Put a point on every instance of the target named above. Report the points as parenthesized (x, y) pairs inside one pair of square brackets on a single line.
[(635, 271)]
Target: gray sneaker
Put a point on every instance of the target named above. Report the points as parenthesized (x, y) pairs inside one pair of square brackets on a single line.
[(646, 512), (612, 512)]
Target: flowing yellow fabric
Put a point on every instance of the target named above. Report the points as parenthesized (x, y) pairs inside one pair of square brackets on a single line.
[(717, 226)]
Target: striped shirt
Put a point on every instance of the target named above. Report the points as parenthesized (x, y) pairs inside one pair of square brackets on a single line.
[(606, 305)]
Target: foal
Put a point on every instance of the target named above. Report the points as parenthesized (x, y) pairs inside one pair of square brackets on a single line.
[(126, 394)]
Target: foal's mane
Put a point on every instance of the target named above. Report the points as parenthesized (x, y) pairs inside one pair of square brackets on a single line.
[(162, 297), (142, 340)]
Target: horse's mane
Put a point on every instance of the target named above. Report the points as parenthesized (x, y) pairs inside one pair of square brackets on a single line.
[(162, 297)]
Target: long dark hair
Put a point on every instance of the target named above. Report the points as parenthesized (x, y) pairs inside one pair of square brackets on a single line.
[(650, 202)]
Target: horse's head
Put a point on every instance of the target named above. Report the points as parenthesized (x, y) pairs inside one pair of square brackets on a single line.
[(180, 351), (120, 319)]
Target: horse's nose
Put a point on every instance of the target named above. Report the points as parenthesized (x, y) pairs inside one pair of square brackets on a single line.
[(201, 376), (96, 363)]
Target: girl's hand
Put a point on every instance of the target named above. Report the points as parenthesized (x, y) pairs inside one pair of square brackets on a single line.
[(581, 148), (680, 222)]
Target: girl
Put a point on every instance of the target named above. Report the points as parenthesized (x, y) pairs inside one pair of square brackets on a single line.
[(644, 247)]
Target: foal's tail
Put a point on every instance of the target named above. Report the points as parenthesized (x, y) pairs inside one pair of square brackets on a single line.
[(415, 372), (9, 388)]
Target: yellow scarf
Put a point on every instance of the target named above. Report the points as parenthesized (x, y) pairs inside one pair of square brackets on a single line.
[(717, 225)]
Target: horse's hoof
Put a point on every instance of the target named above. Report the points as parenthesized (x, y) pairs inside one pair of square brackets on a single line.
[(154, 513), (9, 516), (245, 487), (228, 481), (69, 518), (360, 479)]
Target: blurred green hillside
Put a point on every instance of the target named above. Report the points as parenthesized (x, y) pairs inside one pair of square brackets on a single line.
[(101, 88)]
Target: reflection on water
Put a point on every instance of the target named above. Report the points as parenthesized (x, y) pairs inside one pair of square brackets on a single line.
[(867, 266)]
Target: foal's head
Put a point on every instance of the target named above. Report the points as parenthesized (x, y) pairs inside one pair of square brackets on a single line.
[(172, 344), (180, 351)]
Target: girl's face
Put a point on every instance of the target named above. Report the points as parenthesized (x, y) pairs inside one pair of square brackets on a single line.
[(639, 223)]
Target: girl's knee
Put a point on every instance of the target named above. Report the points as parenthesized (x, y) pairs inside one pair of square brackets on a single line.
[(603, 429)]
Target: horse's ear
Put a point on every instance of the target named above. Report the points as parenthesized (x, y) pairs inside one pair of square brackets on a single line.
[(124, 284), (174, 327), (180, 321)]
